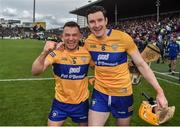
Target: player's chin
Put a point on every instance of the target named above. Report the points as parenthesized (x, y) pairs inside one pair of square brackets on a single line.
[(98, 34), (71, 47)]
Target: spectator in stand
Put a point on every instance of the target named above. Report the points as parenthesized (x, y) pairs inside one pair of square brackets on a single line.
[(173, 50)]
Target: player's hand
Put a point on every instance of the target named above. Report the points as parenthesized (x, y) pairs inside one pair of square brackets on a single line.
[(161, 101), (49, 46)]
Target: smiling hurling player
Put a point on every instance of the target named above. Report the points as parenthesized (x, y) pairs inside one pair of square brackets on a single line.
[(70, 68)]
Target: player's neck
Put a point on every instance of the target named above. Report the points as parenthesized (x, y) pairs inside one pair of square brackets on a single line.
[(72, 50), (106, 34)]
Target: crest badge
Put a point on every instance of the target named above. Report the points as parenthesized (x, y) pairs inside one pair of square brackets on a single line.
[(114, 47), (84, 59)]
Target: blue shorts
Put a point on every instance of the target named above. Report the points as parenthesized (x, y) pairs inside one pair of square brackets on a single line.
[(172, 57), (77, 112), (119, 106)]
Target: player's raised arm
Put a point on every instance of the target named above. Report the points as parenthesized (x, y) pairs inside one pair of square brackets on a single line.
[(41, 64)]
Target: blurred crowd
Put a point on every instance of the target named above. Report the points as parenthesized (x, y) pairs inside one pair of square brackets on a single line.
[(14, 32), (146, 30)]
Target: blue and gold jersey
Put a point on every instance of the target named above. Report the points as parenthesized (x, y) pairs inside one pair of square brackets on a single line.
[(110, 57), (70, 72)]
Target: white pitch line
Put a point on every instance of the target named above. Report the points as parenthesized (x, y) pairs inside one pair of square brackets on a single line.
[(28, 79), (41, 79), (170, 72), (168, 81), (166, 75), (25, 79)]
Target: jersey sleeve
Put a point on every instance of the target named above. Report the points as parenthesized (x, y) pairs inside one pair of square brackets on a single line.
[(85, 44), (131, 46), (52, 56)]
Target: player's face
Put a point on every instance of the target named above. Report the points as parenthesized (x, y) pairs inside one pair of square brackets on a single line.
[(97, 24), (71, 37), (174, 39)]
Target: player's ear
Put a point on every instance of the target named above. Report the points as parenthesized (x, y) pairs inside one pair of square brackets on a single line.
[(80, 35), (62, 37), (106, 20), (88, 26)]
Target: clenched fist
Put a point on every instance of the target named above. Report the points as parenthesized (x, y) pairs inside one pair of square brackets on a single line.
[(49, 46)]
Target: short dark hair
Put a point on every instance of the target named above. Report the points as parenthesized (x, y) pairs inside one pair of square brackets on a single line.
[(72, 24), (95, 9)]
